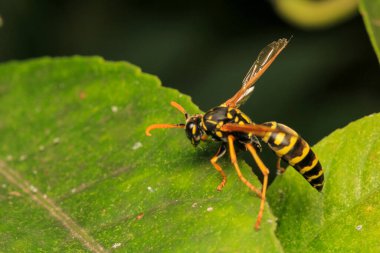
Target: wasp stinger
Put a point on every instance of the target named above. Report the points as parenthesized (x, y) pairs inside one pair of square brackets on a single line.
[(228, 125)]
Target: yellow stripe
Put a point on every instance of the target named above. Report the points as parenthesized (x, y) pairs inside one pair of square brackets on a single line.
[(315, 176), (279, 138), (203, 125), (229, 115), (245, 117), (286, 149), (267, 135), (308, 168), (297, 159), (241, 123), (219, 134), (212, 122)]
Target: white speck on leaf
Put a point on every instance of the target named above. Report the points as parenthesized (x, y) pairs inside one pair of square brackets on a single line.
[(41, 148), (114, 108), (73, 190), (150, 189), (359, 227), (210, 209), (195, 204), (56, 140), (9, 158), (116, 245), (22, 157), (137, 145), (4, 185), (33, 188)]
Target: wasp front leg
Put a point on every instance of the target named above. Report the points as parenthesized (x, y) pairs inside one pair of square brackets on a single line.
[(231, 139), (214, 159)]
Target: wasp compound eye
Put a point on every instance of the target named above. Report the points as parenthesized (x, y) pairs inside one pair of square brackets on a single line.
[(189, 130), (193, 130)]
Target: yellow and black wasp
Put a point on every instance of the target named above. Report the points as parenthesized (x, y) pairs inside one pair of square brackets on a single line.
[(230, 126)]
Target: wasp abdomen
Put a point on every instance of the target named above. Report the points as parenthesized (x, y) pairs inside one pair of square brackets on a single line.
[(294, 150)]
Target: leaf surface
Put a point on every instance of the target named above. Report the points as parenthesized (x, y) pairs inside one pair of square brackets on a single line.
[(78, 174), (345, 217), (370, 11)]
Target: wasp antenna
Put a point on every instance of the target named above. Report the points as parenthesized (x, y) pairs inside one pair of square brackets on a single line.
[(155, 126), (179, 108)]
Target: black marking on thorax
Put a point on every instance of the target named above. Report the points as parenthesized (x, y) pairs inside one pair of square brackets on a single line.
[(215, 118)]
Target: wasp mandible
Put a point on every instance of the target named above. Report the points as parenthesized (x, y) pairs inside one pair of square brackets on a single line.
[(230, 126)]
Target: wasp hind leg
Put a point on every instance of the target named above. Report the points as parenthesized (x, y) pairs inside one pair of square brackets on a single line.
[(280, 169), (234, 162), (214, 159), (265, 172)]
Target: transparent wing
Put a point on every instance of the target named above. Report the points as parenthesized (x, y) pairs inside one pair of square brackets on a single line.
[(257, 130), (261, 64)]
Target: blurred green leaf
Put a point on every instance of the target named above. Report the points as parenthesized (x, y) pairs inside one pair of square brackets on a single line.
[(346, 216), (370, 10), (77, 172), (311, 14)]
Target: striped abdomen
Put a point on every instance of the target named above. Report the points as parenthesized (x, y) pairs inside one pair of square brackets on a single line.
[(291, 148)]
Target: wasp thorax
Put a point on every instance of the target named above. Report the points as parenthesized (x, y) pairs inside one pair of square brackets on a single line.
[(193, 129)]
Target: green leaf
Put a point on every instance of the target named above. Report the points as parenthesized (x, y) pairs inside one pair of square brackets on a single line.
[(77, 172), (346, 216), (370, 10), (311, 14)]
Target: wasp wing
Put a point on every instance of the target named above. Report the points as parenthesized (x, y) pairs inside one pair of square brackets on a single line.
[(257, 130), (261, 64)]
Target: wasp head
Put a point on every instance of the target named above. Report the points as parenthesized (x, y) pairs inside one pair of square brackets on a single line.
[(194, 129)]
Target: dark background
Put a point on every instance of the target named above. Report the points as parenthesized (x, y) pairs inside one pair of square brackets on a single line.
[(323, 80)]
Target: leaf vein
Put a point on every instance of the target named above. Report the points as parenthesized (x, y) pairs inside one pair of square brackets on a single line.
[(54, 210)]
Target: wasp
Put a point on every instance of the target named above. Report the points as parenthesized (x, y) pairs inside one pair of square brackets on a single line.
[(232, 128)]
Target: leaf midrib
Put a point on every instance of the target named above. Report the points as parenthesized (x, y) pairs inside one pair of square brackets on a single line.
[(52, 208)]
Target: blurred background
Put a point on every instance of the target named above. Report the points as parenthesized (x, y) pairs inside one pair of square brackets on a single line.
[(327, 77)]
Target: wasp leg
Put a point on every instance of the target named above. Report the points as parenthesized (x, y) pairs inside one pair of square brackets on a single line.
[(280, 169), (234, 162), (205, 138), (265, 172), (214, 159)]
